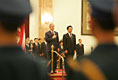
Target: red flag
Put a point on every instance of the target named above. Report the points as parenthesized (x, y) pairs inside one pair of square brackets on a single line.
[(21, 36)]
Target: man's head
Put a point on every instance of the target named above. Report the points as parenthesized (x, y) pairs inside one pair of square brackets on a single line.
[(36, 40), (31, 41), (61, 43), (28, 38), (69, 29), (80, 41), (40, 40), (13, 14), (26, 41), (51, 26), (102, 20)]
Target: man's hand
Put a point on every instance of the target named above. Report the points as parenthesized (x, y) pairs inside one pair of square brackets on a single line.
[(74, 51), (54, 36), (66, 51), (42, 54), (58, 49)]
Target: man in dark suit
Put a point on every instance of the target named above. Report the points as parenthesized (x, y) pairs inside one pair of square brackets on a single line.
[(37, 48), (14, 64), (102, 64), (44, 49), (40, 47), (69, 42), (80, 48), (52, 39), (61, 48), (61, 51), (27, 46), (31, 47)]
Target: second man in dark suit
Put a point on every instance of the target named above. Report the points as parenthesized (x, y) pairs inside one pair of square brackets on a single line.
[(69, 42)]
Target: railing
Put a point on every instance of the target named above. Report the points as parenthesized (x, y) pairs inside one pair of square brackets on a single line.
[(59, 61), (52, 53), (61, 58)]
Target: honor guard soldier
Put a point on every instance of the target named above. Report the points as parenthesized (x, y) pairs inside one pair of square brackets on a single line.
[(14, 64), (102, 63)]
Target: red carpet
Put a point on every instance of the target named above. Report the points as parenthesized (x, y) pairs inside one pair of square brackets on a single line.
[(58, 75)]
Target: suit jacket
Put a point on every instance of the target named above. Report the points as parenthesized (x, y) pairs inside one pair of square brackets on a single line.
[(80, 49), (69, 44), (30, 45), (37, 49), (50, 41), (44, 49), (105, 58), (61, 49), (27, 48), (40, 48), (15, 65)]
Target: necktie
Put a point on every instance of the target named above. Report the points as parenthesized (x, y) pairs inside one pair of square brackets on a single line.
[(53, 33), (71, 36)]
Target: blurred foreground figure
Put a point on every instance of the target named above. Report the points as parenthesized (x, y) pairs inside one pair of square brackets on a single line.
[(14, 65), (102, 63)]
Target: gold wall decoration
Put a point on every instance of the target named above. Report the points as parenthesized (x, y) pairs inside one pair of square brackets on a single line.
[(45, 7), (85, 18), (85, 30)]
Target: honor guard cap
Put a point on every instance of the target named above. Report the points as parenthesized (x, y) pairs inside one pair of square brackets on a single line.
[(15, 7), (102, 10)]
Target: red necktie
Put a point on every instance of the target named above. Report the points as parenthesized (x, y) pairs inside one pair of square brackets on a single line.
[(71, 36), (53, 33)]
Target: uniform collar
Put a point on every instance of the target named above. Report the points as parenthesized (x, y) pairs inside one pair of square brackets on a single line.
[(11, 50)]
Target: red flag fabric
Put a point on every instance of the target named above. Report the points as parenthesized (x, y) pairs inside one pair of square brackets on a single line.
[(21, 36)]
